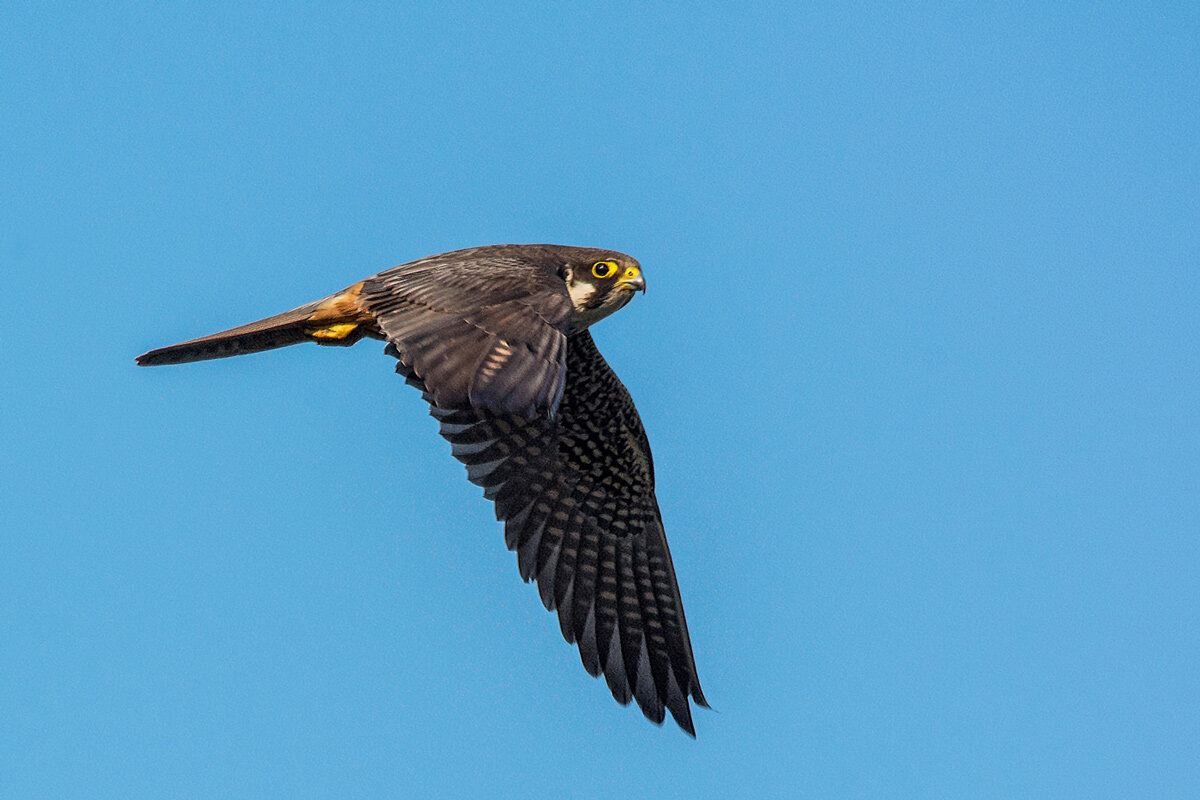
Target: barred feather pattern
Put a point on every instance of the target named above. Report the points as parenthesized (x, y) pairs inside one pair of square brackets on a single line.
[(575, 491)]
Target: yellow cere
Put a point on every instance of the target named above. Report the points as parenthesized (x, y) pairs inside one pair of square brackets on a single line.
[(340, 331), (631, 273), (604, 269)]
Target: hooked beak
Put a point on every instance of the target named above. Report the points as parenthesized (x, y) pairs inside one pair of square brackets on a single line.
[(636, 282)]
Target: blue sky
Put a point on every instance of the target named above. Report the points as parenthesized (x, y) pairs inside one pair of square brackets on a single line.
[(919, 361)]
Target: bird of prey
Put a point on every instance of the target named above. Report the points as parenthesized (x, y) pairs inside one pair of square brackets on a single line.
[(496, 339)]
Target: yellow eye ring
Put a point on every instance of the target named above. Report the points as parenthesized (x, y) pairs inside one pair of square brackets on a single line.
[(604, 269)]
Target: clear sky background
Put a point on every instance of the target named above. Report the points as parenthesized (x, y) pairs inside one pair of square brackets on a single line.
[(919, 360)]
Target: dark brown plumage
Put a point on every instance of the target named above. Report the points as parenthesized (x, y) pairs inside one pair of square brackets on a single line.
[(496, 340)]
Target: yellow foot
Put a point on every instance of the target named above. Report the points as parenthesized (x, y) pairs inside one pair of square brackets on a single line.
[(339, 331)]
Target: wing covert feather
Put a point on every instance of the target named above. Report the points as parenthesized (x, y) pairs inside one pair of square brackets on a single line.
[(481, 327)]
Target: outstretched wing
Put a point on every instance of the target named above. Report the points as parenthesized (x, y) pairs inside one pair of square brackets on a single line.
[(484, 327), (576, 494)]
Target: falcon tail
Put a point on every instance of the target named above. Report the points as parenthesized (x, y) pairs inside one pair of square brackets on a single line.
[(337, 320)]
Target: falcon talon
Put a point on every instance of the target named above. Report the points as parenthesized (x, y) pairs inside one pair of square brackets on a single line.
[(496, 340)]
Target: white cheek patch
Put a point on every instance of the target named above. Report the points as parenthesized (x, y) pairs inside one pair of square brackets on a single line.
[(581, 294)]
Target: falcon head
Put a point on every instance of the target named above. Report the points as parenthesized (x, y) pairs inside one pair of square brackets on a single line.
[(601, 282)]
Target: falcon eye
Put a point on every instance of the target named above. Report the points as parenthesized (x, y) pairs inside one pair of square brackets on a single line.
[(604, 269)]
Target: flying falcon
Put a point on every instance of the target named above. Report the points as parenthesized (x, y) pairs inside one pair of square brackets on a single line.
[(496, 340)]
